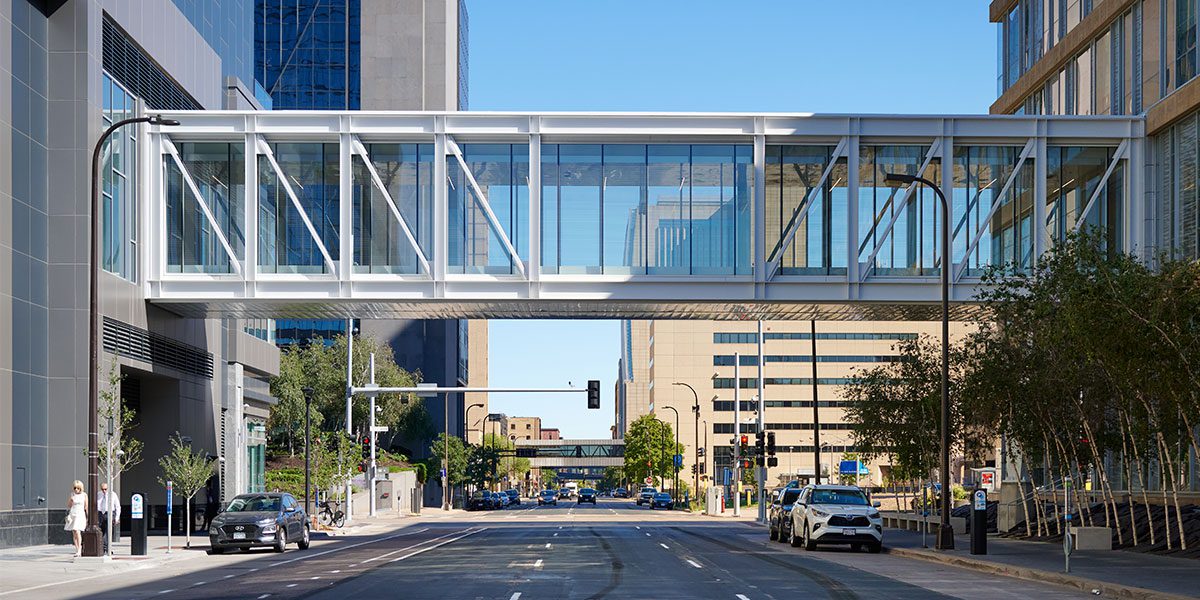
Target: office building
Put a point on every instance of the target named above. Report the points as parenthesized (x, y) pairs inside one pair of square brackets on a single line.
[(69, 70), (524, 428)]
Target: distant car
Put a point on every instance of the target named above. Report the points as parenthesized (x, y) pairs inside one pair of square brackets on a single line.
[(514, 496), (779, 515), (646, 495), (564, 493), (662, 500), (620, 493), (836, 514), (259, 520), (500, 498), (548, 497), (480, 500), (586, 495)]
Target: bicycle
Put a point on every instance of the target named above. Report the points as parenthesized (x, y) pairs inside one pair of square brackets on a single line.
[(330, 515)]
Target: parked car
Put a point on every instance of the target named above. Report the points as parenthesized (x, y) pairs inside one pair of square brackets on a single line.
[(836, 514), (480, 500), (586, 495), (620, 493), (646, 495), (662, 500), (548, 497), (779, 515), (259, 520), (514, 496), (500, 498)]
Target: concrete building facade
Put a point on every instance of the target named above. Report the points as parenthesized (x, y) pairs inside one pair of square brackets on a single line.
[(67, 70), (524, 428)]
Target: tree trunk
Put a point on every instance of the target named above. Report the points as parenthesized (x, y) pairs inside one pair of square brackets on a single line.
[(1125, 455), (1137, 457), (187, 515)]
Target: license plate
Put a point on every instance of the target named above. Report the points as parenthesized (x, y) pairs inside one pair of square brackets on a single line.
[(849, 532), (239, 535)]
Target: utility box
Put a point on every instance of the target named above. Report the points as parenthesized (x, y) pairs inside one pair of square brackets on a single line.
[(1092, 538), (383, 495)]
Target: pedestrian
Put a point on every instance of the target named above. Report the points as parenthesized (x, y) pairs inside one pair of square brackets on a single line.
[(211, 505), (76, 520), (108, 503)]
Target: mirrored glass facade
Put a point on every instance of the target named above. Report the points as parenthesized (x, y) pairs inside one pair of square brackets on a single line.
[(405, 171), (217, 172), (307, 53), (912, 247), (496, 175), (119, 183), (308, 174)]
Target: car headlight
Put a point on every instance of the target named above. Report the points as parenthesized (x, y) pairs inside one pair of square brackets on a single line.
[(820, 514), (269, 528), (873, 514)]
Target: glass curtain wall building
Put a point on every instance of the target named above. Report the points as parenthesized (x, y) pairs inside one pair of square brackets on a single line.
[(306, 53)]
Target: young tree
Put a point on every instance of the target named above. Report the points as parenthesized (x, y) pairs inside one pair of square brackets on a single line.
[(650, 449), (458, 461), (120, 450), (188, 471)]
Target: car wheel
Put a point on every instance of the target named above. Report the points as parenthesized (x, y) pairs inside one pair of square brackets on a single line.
[(783, 533), (281, 540), (792, 539), (304, 539), (774, 533), (875, 548), (809, 544), (216, 550)]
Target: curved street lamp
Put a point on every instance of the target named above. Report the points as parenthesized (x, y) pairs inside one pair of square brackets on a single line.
[(696, 451), (91, 537), (945, 537), (675, 488)]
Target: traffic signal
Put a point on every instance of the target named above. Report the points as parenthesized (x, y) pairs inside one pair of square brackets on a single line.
[(772, 461), (771, 443), (362, 467), (760, 442), (366, 447), (593, 392), (700, 452), (693, 469)]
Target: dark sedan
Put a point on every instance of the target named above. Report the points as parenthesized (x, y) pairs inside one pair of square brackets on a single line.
[(259, 520), (548, 497), (779, 515), (620, 493), (480, 500), (586, 495), (514, 496), (662, 500)]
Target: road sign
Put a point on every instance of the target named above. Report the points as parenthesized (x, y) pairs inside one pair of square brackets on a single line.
[(649, 480), (379, 429), (170, 495), (138, 506), (848, 467), (427, 394), (678, 460), (980, 500)]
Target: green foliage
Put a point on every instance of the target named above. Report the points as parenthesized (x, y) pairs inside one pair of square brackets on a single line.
[(650, 449), (614, 477), (323, 368), (188, 471), (458, 459), (120, 449)]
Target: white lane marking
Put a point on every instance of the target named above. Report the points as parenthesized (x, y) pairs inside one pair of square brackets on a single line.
[(166, 591), (695, 564), (663, 545), (560, 526), (538, 564), (227, 577), (742, 597), (340, 548), (292, 585), (637, 527), (199, 583), (515, 596), (312, 578), (556, 534), (437, 545), (547, 545), (647, 535), (336, 571), (252, 570), (263, 596), (387, 554)]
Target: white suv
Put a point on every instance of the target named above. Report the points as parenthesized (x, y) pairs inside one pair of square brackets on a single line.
[(836, 514)]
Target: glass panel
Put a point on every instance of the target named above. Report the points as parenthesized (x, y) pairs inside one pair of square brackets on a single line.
[(1102, 53), (476, 247), (669, 210), (285, 243), (578, 210), (980, 174), (406, 171), (118, 187), (550, 201), (910, 247), (714, 210), (218, 170), (1072, 176), (792, 171), (624, 199), (1185, 42)]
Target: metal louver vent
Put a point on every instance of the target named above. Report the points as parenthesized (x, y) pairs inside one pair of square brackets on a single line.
[(129, 64), (126, 340)]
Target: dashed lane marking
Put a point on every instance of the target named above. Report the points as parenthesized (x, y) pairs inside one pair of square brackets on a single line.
[(292, 585), (547, 545), (664, 546), (263, 596), (166, 592), (695, 564), (199, 583), (538, 564), (515, 596), (383, 556), (437, 545), (742, 597)]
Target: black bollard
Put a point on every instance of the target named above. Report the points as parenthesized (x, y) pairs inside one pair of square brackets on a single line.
[(979, 522)]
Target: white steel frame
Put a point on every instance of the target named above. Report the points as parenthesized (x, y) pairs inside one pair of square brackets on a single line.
[(530, 291)]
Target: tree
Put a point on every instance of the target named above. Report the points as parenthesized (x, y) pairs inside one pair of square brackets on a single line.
[(457, 463), (614, 477), (120, 450), (188, 472), (650, 449)]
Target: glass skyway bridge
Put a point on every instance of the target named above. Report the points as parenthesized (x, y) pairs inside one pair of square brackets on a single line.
[(491, 215), (571, 454)]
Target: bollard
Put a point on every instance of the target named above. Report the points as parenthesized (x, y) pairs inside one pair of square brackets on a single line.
[(137, 525), (979, 523)]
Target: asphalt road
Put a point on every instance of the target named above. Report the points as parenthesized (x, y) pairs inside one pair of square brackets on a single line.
[(612, 550)]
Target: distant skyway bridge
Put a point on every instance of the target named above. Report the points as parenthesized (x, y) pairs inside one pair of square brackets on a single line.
[(616, 215)]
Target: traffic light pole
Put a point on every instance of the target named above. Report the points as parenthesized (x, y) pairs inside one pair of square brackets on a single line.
[(762, 431), (371, 468), (737, 436)]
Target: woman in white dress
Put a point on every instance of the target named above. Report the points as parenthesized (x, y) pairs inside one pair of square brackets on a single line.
[(77, 515)]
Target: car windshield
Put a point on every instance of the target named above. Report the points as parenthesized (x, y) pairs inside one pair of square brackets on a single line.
[(254, 504), (662, 496), (587, 491), (789, 496), (479, 494), (849, 497), (648, 490), (548, 493)]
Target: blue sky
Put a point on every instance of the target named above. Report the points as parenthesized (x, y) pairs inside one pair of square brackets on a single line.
[(857, 56)]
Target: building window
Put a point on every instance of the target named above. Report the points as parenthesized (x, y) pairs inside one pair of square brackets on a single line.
[(1185, 42), (119, 187)]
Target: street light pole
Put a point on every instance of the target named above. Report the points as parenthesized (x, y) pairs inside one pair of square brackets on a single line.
[(674, 451), (349, 410), (696, 451), (945, 537), (92, 545)]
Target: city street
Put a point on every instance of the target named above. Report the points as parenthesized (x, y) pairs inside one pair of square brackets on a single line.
[(612, 550)]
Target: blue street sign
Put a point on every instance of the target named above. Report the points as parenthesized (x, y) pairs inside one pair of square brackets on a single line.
[(170, 496), (728, 476), (678, 460), (848, 467)]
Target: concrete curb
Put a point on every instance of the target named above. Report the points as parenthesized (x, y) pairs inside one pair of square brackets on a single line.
[(1106, 588)]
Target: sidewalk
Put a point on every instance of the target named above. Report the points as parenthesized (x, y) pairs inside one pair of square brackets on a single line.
[(1115, 574), (32, 566)]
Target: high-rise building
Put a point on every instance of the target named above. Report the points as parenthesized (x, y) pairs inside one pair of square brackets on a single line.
[(70, 69), (1111, 57), (376, 55)]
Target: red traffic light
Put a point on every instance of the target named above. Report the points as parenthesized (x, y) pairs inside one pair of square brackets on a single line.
[(745, 439), (366, 441)]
